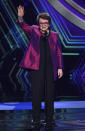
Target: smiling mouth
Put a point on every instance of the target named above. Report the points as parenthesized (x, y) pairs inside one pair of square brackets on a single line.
[(44, 28)]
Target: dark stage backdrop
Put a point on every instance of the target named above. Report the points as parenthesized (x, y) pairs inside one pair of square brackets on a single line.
[(68, 19)]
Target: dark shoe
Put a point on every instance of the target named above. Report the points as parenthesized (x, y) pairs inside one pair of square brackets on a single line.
[(35, 126), (50, 124)]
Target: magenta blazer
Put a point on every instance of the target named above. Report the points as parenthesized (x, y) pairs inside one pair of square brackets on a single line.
[(32, 55)]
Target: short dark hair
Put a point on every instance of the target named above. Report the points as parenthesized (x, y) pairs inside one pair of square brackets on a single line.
[(19, 2), (44, 16)]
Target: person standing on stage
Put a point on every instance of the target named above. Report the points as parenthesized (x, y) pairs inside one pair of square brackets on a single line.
[(44, 58)]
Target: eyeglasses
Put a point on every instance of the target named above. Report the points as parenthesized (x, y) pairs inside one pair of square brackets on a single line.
[(43, 23)]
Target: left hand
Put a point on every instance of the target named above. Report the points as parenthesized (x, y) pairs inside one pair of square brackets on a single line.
[(60, 73)]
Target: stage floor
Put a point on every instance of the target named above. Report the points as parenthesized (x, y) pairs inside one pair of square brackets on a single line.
[(68, 116)]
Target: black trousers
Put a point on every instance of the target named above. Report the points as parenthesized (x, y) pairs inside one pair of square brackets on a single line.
[(42, 84)]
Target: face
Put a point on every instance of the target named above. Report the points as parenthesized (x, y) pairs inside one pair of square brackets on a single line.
[(43, 24)]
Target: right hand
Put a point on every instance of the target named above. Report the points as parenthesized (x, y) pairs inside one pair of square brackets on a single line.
[(20, 11)]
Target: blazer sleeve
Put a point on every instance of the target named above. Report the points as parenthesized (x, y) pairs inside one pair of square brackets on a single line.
[(25, 27), (59, 53)]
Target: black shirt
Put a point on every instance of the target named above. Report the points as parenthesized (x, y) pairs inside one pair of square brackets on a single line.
[(45, 56)]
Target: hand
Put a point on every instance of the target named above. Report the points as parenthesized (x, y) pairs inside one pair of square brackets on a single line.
[(20, 11), (60, 73)]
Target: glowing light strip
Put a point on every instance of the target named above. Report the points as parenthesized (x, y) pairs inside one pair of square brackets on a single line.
[(23, 73), (24, 79), (57, 105), (11, 74), (35, 6), (13, 9), (21, 79), (26, 83), (8, 27), (70, 54), (17, 75), (76, 6), (27, 80), (9, 42), (67, 39), (68, 14), (69, 31)]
